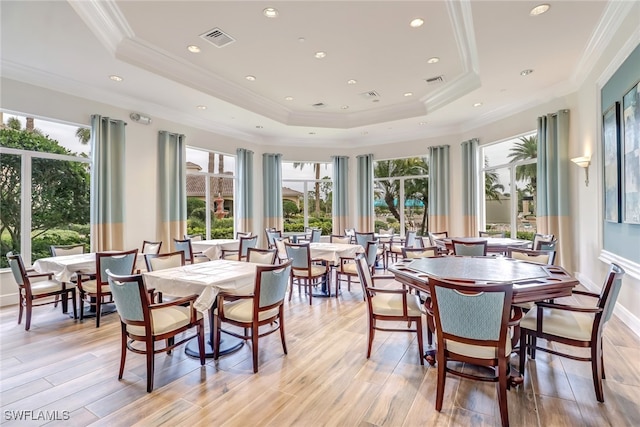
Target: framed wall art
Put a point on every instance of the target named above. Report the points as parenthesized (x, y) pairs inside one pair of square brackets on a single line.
[(612, 166), (631, 155)]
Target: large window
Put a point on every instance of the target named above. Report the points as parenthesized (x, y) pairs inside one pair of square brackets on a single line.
[(210, 193), (307, 191), (45, 184), (401, 190), (510, 186)]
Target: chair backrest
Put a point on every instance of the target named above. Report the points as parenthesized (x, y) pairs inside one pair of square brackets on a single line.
[(162, 261), (472, 314), (546, 246), (299, 254), (149, 247), (609, 292), (388, 231), (351, 232), (542, 257), (17, 268), (371, 252), (61, 250), (469, 248), (193, 237), (362, 238), (282, 251), (364, 276), (410, 238), (131, 298), (184, 246), (262, 256), (240, 234), (336, 238), (434, 235), (247, 242), (271, 286), (272, 234), (120, 263), (491, 233), (419, 252), (316, 233), (538, 238)]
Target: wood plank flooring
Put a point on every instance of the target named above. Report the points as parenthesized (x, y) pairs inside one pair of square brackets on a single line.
[(69, 369)]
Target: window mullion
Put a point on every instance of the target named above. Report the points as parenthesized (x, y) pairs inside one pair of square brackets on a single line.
[(25, 207)]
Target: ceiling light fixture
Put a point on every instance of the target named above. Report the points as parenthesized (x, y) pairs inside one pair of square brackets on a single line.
[(408, 94), (433, 60), (312, 133), (526, 72), (352, 82), (270, 12), (251, 78), (345, 107), (288, 98), (320, 54), (116, 78), (193, 48), (477, 104), (201, 107), (418, 22), (539, 10), (258, 127), (422, 123)]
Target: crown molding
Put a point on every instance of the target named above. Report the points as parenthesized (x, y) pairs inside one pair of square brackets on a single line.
[(105, 20)]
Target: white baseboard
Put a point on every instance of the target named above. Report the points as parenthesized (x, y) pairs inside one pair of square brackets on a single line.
[(10, 299)]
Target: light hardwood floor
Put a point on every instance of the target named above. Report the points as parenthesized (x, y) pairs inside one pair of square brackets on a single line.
[(325, 380)]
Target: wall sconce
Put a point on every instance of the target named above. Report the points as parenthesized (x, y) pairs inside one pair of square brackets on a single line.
[(583, 162)]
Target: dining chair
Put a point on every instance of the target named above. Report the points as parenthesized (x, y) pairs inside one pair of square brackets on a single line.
[(61, 250), (305, 272), (281, 249), (336, 238), (149, 247), (541, 257), (314, 236), (347, 266), (430, 251), (573, 325), (351, 232), (363, 238), (240, 254), (190, 256), (472, 323), (262, 256), (469, 248), (265, 306), (491, 234), (143, 321), (240, 234), (546, 245), (389, 305), (397, 243), (94, 289), (272, 234), (435, 235), (539, 238), (163, 261), (194, 237), (40, 290)]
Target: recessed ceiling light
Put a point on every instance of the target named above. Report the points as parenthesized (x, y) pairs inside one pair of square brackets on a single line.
[(352, 82), (433, 60), (408, 94), (251, 78), (115, 78), (288, 98), (345, 107), (312, 133), (375, 100), (418, 22), (301, 39), (526, 72), (320, 54), (201, 107), (270, 12), (193, 48), (477, 104), (364, 133), (539, 10), (258, 127), (422, 123)]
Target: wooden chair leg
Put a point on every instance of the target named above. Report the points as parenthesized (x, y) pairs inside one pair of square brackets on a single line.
[(254, 349), (27, 323), (596, 370), (73, 301), (502, 392), (123, 351), (150, 360), (372, 332), (420, 343), (281, 321), (21, 309), (523, 351), (442, 375), (98, 311)]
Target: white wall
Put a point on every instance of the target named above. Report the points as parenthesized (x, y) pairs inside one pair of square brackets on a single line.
[(585, 138)]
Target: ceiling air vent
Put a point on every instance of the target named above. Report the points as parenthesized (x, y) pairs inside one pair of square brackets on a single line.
[(371, 94), (217, 37), (319, 105), (435, 80)]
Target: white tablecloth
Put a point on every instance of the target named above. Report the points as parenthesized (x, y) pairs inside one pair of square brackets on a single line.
[(205, 279), (213, 248), (332, 252), (65, 267)]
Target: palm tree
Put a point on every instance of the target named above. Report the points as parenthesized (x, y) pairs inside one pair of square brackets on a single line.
[(83, 135), (316, 168), (389, 189), (492, 188), (526, 149)]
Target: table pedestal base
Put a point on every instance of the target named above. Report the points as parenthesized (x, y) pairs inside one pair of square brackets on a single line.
[(90, 311), (228, 345)]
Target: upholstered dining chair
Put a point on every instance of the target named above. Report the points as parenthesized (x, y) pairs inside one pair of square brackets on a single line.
[(240, 254), (272, 234), (541, 257), (163, 261), (61, 250), (539, 238), (146, 322), (420, 252), (472, 323), (336, 238), (281, 249), (573, 325), (389, 305), (262, 256), (348, 268), (37, 293), (304, 271), (351, 232), (435, 235), (94, 289), (491, 234), (190, 256), (250, 312), (149, 247), (468, 248), (314, 236), (194, 237), (397, 243)]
